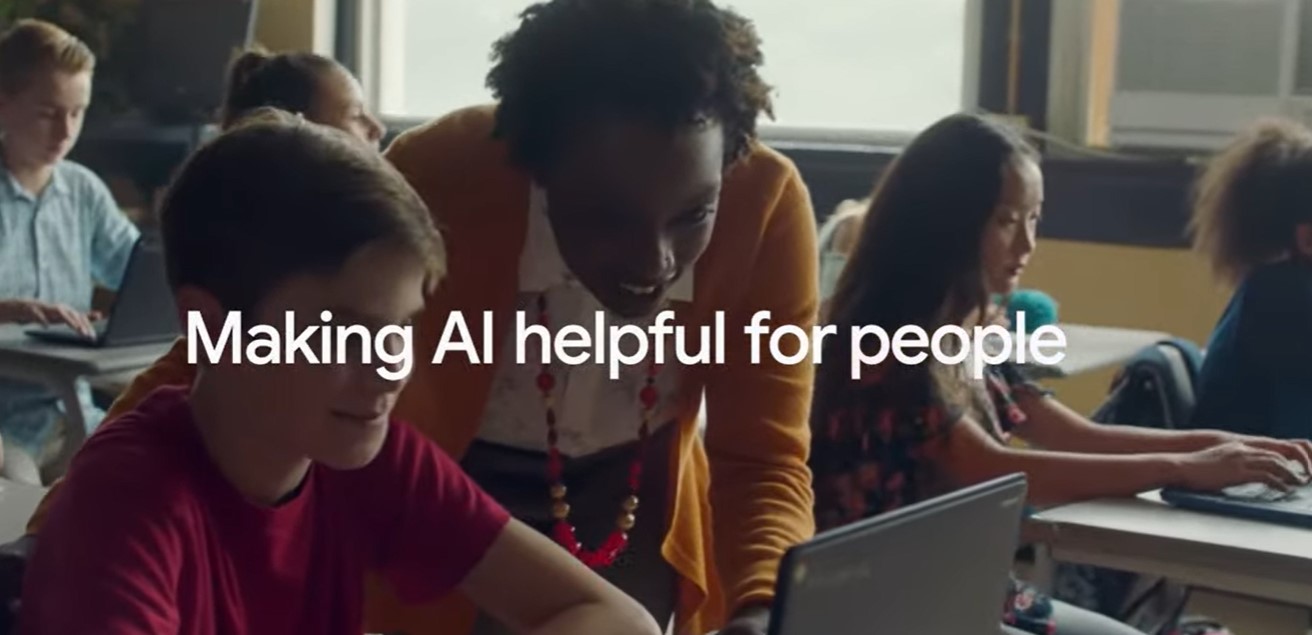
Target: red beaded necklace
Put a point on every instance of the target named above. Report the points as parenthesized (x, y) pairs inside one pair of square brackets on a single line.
[(563, 532)]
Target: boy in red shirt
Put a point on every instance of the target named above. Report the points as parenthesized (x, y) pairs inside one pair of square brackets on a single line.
[(256, 500)]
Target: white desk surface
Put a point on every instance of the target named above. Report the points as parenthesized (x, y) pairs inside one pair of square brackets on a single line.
[(1091, 348), (17, 502), (20, 351), (59, 366), (1147, 536)]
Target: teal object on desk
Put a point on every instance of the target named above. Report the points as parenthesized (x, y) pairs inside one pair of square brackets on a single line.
[(1040, 308)]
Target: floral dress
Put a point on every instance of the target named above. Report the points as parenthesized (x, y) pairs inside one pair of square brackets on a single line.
[(873, 447)]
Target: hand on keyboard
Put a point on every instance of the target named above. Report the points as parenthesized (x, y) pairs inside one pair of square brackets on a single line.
[(1258, 492), (1299, 499), (1297, 450), (1240, 464), (30, 311)]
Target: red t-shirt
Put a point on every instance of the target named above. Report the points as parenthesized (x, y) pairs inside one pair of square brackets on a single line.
[(147, 537)]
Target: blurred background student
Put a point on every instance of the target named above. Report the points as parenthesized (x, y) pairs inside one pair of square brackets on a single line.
[(1253, 221)]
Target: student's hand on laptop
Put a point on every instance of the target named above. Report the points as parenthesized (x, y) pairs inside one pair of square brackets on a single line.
[(29, 311), (1237, 463), (1296, 450)]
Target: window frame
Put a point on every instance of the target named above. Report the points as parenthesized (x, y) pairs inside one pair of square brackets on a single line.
[(1005, 72), (997, 76), (1010, 42)]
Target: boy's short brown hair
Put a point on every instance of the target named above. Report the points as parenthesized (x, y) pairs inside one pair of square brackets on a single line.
[(1253, 196), (277, 196), (33, 46)]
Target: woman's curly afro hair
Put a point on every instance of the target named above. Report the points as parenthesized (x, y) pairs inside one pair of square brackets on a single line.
[(668, 62)]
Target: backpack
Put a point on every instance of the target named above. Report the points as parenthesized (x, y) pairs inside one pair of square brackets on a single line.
[(1155, 389)]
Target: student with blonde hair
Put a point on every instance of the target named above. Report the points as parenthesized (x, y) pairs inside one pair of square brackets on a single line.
[(61, 232), (308, 85)]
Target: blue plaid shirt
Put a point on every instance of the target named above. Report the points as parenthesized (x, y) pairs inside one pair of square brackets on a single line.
[(53, 248)]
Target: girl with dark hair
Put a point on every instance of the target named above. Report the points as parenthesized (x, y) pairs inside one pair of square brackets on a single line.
[(952, 224), (308, 84)]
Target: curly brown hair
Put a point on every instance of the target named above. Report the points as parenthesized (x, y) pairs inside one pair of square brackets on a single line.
[(670, 62), (1252, 196)]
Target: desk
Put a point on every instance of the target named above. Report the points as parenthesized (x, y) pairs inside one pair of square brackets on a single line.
[(59, 366), (114, 383), (1091, 348), (1147, 536)]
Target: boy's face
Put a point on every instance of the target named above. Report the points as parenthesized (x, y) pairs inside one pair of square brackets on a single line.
[(333, 414), (42, 123)]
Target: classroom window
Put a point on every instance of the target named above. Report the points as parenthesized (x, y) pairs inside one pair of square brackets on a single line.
[(893, 65)]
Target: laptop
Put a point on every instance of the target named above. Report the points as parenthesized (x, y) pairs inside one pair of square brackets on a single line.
[(143, 310), (1254, 501), (938, 567)]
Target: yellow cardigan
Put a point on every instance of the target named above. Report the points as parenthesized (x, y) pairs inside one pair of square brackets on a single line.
[(762, 256)]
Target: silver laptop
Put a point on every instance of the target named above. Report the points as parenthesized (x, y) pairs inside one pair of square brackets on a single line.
[(939, 567), (143, 310)]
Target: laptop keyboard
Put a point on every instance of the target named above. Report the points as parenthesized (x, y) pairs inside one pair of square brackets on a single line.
[(1299, 499), (98, 326)]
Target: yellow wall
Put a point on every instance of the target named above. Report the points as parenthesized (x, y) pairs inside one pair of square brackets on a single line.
[(1167, 290), (290, 24)]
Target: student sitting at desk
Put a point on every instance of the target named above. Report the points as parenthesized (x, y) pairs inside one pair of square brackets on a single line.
[(1253, 220), (951, 223), (307, 84), (60, 229), (624, 187), (254, 501)]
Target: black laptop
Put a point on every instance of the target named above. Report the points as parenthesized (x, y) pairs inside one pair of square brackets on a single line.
[(1254, 501), (936, 568), (143, 310)]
